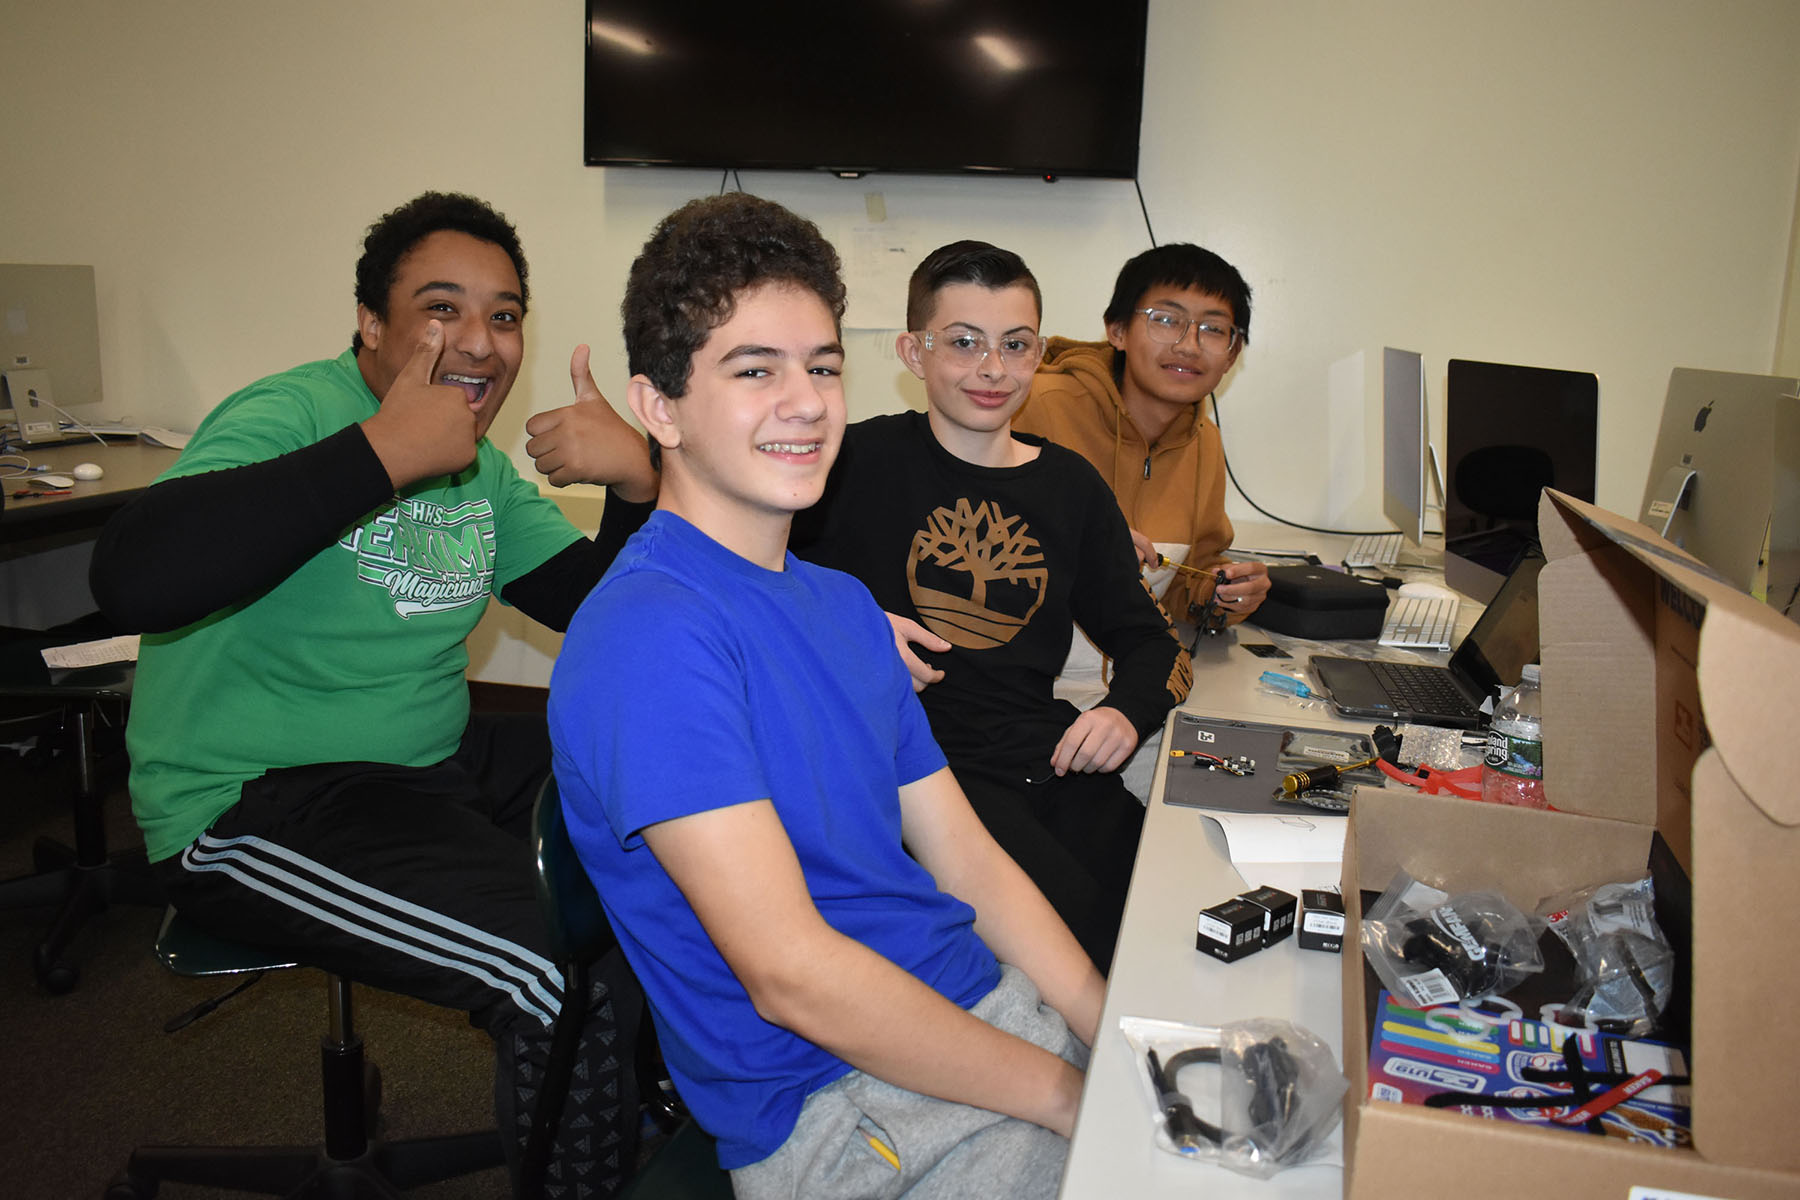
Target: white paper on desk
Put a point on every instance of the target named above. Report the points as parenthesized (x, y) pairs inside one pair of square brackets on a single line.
[(93, 654), (156, 435), (1281, 838)]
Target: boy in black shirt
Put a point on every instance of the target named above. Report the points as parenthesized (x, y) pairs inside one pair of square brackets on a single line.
[(986, 548)]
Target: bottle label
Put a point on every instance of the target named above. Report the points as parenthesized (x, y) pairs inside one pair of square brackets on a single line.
[(1522, 758)]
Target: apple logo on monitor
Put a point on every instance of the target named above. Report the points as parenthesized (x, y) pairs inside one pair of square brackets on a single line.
[(1700, 417)]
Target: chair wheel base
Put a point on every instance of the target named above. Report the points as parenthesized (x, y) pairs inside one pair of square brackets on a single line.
[(57, 976), (126, 1186)]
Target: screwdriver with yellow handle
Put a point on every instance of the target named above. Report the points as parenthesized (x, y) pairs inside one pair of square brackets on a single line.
[(1323, 775), (1163, 560)]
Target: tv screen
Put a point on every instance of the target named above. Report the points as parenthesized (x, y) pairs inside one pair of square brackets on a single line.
[(1048, 88)]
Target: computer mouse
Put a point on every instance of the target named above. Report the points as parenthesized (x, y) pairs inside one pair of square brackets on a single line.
[(52, 481), (1426, 591), (88, 471)]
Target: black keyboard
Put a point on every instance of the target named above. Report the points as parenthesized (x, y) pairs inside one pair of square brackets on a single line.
[(1418, 688)]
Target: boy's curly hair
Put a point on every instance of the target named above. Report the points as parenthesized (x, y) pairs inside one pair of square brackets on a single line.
[(700, 259), (392, 237)]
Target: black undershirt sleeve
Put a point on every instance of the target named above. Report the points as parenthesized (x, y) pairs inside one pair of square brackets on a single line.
[(190, 546), (550, 592)]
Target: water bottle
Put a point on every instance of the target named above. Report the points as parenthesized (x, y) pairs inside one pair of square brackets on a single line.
[(1512, 770)]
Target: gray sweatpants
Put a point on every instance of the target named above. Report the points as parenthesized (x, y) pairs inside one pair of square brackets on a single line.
[(945, 1149)]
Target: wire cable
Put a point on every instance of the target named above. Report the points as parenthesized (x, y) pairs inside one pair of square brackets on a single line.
[(1145, 209), (1232, 475), (73, 423)]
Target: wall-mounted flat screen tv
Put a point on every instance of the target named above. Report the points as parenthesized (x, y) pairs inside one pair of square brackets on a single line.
[(1053, 87)]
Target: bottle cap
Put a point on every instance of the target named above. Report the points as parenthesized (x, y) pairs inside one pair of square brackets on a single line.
[(1529, 673)]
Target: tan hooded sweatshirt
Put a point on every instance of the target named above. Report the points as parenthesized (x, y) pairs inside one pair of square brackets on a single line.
[(1173, 491)]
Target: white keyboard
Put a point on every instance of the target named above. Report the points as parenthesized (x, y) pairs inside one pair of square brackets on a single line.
[(1374, 550), (1421, 622)]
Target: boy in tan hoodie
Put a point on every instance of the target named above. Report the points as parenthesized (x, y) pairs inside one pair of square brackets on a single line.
[(1134, 406)]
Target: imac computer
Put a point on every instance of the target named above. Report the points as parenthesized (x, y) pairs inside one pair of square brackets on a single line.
[(1409, 466), (1724, 481), (1403, 441), (49, 351), (1509, 433)]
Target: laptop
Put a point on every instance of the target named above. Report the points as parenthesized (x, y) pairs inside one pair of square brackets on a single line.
[(1496, 650)]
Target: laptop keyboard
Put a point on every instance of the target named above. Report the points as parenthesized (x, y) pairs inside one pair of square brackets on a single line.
[(1373, 550), (1417, 688), (1421, 622)]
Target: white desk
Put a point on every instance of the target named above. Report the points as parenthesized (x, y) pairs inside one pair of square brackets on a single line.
[(1182, 867)]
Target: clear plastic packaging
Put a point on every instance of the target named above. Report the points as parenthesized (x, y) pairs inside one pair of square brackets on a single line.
[(1513, 767), (1624, 966), (1430, 947), (1253, 1096)]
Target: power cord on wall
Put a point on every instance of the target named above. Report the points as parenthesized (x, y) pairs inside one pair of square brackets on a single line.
[(1145, 209), (1232, 475)]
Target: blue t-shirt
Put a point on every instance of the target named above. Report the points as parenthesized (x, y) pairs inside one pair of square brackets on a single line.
[(691, 680)]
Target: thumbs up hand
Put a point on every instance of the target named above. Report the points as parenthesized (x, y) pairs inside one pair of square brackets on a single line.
[(424, 429), (588, 442)]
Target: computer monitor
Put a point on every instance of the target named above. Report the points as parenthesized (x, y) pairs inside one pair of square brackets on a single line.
[(1404, 448), (1509, 433), (1722, 479), (49, 349)]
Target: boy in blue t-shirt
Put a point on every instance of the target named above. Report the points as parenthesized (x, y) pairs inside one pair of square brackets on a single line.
[(811, 904)]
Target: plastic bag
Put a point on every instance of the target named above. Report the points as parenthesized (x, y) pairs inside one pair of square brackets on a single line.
[(1430, 947), (1624, 966), (1253, 1096)]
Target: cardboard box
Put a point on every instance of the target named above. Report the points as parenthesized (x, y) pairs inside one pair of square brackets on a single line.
[(1671, 703)]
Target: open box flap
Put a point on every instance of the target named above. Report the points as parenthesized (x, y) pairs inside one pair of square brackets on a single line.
[(1750, 689), (1743, 964), (1749, 658)]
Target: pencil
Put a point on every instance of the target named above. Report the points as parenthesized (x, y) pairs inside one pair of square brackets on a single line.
[(893, 1160)]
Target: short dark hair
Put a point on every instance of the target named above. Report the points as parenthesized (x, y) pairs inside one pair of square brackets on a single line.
[(392, 237), (1178, 265), (698, 261), (965, 262)]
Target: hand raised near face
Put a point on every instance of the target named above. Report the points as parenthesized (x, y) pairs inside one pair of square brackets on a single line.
[(589, 442), (423, 429)]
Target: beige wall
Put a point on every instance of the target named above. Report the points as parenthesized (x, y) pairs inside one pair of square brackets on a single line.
[(1604, 186)]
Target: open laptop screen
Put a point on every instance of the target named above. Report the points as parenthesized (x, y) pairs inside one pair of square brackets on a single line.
[(1505, 638)]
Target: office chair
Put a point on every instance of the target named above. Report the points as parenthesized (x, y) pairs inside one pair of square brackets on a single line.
[(351, 1162), (686, 1167), (83, 879)]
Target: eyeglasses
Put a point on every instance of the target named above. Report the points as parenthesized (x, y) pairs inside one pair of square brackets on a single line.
[(1169, 327), (1017, 351)]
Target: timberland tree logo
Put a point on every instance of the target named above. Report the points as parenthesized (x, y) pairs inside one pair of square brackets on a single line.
[(976, 575), (429, 558)]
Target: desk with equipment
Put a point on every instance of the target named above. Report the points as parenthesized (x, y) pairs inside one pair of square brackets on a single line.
[(1185, 864), (1630, 677)]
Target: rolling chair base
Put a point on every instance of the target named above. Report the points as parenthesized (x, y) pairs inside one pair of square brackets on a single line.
[(385, 1169), (80, 892), (351, 1162)]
